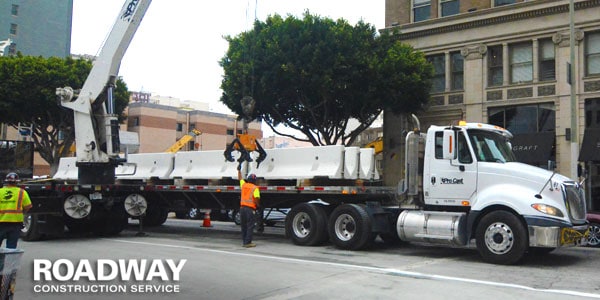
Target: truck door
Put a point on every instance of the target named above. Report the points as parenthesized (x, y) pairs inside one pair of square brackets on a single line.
[(451, 172)]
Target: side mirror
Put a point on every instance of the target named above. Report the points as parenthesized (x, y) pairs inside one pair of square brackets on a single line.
[(449, 146)]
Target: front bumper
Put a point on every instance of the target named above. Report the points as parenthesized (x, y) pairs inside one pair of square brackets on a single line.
[(555, 236)]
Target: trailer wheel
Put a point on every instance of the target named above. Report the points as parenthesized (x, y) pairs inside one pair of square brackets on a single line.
[(306, 224), (78, 226), (31, 230), (111, 222), (156, 215), (501, 238), (350, 227)]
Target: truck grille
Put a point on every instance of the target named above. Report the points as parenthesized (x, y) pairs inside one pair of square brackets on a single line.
[(575, 202)]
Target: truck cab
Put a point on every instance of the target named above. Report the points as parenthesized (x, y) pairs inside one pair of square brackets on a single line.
[(473, 188)]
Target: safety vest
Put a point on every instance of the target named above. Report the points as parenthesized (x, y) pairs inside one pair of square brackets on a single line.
[(12, 200), (248, 195)]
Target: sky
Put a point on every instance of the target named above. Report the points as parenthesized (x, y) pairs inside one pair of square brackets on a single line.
[(177, 48)]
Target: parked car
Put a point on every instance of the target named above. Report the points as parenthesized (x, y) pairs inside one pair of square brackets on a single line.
[(271, 216), (594, 237)]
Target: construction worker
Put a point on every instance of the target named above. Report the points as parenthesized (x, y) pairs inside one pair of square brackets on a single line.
[(249, 201), (14, 201)]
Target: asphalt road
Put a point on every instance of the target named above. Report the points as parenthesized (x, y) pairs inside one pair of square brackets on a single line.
[(217, 267)]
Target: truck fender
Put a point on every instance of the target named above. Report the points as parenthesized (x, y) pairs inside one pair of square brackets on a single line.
[(517, 198)]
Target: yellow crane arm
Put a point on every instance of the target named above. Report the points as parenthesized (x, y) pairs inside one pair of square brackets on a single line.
[(376, 144), (183, 140)]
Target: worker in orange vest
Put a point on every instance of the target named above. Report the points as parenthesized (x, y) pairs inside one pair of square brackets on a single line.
[(250, 200), (14, 201)]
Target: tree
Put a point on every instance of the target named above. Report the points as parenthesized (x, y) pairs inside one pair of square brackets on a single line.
[(27, 96), (315, 75)]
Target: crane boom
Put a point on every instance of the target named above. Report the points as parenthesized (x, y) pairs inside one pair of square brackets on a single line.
[(96, 124)]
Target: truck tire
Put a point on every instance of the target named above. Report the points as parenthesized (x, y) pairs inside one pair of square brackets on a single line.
[(306, 224), (501, 238), (111, 223), (31, 230), (156, 215), (78, 226), (350, 227)]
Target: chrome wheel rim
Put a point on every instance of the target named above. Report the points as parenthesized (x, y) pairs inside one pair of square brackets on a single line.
[(301, 225), (499, 238), (345, 227)]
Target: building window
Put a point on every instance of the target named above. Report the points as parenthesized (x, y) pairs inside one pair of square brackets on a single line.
[(14, 11), (521, 63), (229, 131), (438, 81), (449, 7), (547, 61), (525, 118), (421, 10), (12, 49), (503, 2), (495, 76), (592, 53), (179, 127), (457, 67), (192, 127), (136, 121), (592, 113), (13, 29)]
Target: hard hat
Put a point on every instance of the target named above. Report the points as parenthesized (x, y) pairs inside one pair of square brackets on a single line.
[(11, 177), (251, 178)]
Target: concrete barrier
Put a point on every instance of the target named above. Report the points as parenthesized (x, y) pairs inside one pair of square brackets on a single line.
[(203, 165), (351, 162), (368, 170), (302, 163), (143, 166), (67, 170)]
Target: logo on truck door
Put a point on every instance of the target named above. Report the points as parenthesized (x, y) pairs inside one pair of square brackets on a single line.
[(452, 180)]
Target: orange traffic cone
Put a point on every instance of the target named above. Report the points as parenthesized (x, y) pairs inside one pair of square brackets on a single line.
[(206, 222)]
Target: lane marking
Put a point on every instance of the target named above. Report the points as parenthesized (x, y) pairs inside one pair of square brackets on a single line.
[(409, 274)]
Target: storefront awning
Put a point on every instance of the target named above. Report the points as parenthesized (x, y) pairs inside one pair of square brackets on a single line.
[(533, 148), (590, 147)]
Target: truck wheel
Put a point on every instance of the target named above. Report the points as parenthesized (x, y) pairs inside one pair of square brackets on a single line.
[(30, 231), (350, 227), (78, 226), (306, 224), (155, 215), (501, 238), (111, 223)]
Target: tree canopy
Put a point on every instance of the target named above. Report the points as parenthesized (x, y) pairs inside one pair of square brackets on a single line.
[(315, 75), (28, 96)]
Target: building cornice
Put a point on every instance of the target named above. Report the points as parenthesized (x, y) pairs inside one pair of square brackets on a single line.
[(433, 27)]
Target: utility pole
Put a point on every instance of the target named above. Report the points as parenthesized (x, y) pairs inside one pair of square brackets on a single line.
[(573, 83)]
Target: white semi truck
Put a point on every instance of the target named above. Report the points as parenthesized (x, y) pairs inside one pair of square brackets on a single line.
[(461, 183), (462, 186)]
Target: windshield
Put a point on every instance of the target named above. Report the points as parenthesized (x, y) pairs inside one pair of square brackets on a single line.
[(490, 146)]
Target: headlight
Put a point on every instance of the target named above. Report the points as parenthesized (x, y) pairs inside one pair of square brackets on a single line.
[(547, 209)]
